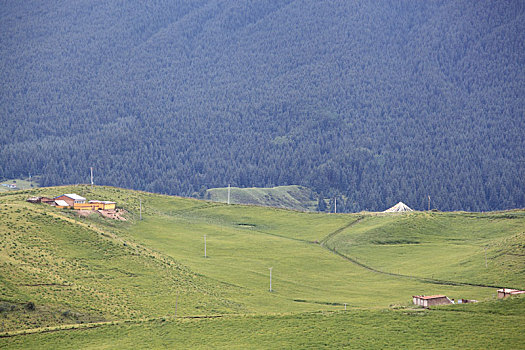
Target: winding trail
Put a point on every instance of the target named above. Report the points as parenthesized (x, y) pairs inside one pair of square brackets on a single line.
[(324, 245), (339, 230)]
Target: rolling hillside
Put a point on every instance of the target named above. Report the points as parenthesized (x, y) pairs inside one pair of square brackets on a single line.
[(474, 248), (375, 102), (78, 270), (289, 197), (150, 276)]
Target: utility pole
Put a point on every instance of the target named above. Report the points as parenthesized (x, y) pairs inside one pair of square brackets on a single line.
[(176, 303), (91, 177), (271, 278), (228, 193), (205, 246), (140, 208), (429, 203), (335, 206)]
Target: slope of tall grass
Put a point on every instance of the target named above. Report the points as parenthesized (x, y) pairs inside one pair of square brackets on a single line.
[(141, 277)]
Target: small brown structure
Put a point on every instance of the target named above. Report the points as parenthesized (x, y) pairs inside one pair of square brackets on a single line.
[(34, 200), (47, 200), (430, 300), (507, 292)]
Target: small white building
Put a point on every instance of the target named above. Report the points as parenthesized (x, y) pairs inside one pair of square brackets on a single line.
[(429, 300), (506, 292)]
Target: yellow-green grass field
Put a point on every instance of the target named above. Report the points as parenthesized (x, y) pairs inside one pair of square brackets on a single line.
[(495, 325), (138, 277)]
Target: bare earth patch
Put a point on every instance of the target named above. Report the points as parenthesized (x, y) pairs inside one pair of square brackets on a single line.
[(115, 214)]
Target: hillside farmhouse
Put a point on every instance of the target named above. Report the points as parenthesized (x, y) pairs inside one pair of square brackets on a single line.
[(71, 199), (430, 300)]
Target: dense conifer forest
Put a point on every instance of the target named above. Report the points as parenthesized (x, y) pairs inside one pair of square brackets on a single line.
[(371, 101)]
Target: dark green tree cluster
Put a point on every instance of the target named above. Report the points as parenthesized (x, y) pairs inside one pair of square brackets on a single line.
[(371, 101)]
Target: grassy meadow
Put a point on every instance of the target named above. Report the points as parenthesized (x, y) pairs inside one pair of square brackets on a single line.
[(142, 283), (495, 325)]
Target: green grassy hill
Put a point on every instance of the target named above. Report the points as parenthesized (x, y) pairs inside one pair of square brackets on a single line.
[(484, 249), (290, 197), (82, 270), (137, 277)]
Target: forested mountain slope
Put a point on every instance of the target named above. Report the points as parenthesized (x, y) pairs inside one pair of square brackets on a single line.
[(290, 197), (373, 101)]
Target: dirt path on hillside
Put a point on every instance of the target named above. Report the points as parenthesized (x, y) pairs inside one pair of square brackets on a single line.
[(339, 230), (372, 269)]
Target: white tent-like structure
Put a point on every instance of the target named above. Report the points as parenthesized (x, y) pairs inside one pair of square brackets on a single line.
[(399, 207)]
